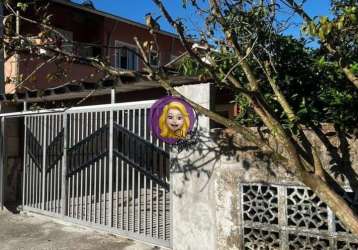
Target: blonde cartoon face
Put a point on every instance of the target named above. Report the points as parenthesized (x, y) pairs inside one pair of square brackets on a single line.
[(175, 119)]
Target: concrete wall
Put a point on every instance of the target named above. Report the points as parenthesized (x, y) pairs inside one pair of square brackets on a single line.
[(193, 199), (206, 184)]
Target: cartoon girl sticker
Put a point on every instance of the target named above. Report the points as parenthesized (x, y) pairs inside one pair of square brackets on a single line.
[(172, 119)]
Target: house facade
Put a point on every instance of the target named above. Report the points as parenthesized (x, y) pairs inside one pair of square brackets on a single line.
[(94, 34)]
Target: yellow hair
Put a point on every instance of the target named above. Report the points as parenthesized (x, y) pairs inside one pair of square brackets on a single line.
[(165, 131)]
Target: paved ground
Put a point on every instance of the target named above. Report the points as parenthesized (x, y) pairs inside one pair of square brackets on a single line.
[(35, 232)]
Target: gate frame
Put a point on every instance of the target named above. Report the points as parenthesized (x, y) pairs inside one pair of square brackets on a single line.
[(62, 215)]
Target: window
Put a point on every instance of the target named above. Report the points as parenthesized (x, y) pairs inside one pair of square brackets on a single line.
[(154, 58), (66, 46), (125, 56), (89, 51)]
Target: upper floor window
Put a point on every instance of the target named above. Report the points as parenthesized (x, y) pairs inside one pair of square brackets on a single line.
[(67, 46), (125, 56), (154, 58)]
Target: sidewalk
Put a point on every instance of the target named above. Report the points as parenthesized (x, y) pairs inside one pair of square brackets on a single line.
[(35, 232)]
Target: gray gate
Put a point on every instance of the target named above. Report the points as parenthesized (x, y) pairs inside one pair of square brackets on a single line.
[(99, 166)]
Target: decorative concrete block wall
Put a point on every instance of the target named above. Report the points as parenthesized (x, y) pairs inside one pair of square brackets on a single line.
[(231, 197)]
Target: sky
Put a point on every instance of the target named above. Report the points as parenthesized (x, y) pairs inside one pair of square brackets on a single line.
[(136, 10)]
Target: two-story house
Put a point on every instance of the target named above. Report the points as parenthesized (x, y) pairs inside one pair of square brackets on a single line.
[(94, 33)]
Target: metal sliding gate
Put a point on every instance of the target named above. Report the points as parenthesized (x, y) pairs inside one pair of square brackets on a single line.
[(99, 166)]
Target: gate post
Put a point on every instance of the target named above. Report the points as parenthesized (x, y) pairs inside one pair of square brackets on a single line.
[(2, 163), (64, 168)]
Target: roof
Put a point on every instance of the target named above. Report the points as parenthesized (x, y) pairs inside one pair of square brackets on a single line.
[(78, 89), (111, 16)]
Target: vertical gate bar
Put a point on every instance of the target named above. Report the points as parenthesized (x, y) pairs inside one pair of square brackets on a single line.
[(48, 177), (32, 162), (52, 171), (122, 174), (67, 139), (38, 182), (39, 173), (29, 174), (34, 166), (81, 156), (55, 164), (151, 208), (35, 169), (26, 187), (122, 194), (53, 175), (158, 215), (27, 165), (58, 130), (85, 157), (50, 181), (77, 167), (117, 178), (31, 166), (44, 131), (164, 214), (127, 171), (84, 172), (133, 172), (75, 140), (133, 196), (151, 189), (73, 158), (24, 182), (68, 129), (59, 165), (100, 170), (54, 153), (73, 162), (145, 177), (2, 163), (127, 194), (95, 171), (90, 152), (27, 198), (110, 160), (105, 170), (54, 168), (139, 192), (64, 168)]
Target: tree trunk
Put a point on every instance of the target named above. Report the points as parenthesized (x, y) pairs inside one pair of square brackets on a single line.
[(338, 205), (351, 76)]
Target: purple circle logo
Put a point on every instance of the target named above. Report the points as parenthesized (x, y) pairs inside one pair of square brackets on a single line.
[(172, 119)]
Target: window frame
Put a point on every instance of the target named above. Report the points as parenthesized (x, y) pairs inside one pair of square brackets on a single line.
[(118, 43)]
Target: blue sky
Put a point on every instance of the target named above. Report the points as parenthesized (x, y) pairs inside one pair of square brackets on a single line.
[(136, 10)]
